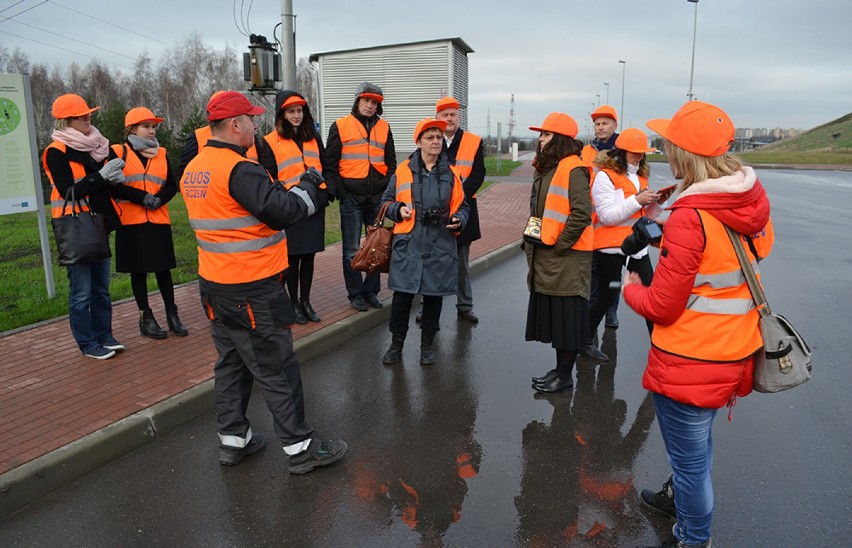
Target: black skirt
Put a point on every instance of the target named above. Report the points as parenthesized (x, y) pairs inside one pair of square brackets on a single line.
[(146, 247), (561, 321)]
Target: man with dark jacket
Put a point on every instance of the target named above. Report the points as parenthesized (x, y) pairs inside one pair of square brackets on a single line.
[(238, 212), (359, 161), (465, 152)]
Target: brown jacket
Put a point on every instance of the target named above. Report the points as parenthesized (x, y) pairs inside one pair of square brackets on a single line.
[(562, 271)]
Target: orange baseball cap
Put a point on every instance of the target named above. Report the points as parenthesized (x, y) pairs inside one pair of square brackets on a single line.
[(229, 104), (427, 123), (699, 128), (70, 106), (292, 101), (633, 140), (605, 111), (559, 122), (446, 102), (138, 115)]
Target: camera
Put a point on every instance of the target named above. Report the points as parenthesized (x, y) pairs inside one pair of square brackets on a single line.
[(645, 231), (431, 216)]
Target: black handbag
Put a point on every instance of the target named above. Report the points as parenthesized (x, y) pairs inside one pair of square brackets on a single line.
[(784, 362), (81, 236)]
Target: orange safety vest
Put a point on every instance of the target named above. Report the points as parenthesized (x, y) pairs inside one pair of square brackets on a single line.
[(78, 171), (359, 151), (233, 246), (720, 322), (150, 178), (291, 161), (404, 179), (203, 134), (612, 235), (588, 155), (557, 207), (466, 154)]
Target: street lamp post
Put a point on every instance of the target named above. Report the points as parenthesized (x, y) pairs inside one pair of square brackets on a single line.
[(598, 95), (607, 92), (623, 70), (694, 31)]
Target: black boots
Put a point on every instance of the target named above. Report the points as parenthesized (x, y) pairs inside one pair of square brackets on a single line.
[(309, 311), (148, 325), (428, 356), (394, 353), (175, 324), (298, 315)]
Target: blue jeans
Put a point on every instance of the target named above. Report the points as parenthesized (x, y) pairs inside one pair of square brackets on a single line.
[(688, 435), (89, 304), (355, 215)]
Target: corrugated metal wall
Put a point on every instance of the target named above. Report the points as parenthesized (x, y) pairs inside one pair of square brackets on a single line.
[(412, 77)]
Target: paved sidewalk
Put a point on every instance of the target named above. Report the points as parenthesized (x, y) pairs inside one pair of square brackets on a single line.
[(65, 415)]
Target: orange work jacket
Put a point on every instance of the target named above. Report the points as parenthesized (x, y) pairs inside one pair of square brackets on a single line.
[(557, 207), (720, 323), (233, 246), (358, 150), (78, 171), (150, 178), (291, 161), (612, 235), (404, 179)]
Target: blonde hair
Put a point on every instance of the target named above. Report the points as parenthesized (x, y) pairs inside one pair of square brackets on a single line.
[(692, 168), (61, 123)]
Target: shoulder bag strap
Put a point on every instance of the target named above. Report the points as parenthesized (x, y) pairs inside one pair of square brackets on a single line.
[(757, 294), (380, 218)]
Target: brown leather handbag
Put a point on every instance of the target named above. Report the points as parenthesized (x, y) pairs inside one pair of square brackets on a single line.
[(374, 255)]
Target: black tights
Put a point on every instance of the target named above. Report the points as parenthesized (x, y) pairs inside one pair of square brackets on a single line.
[(565, 363), (139, 285), (300, 272)]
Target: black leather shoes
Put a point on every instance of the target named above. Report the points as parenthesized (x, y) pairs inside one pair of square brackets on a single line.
[(298, 315), (468, 316), (175, 325), (232, 456), (359, 304), (309, 311), (149, 327), (547, 377), (553, 386), (373, 301), (592, 352)]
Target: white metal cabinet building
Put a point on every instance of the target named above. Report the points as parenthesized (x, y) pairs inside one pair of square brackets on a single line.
[(413, 77)]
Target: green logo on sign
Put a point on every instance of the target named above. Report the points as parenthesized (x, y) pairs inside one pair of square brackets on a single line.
[(10, 116)]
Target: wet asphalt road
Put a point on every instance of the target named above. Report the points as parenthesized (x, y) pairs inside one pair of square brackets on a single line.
[(463, 454)]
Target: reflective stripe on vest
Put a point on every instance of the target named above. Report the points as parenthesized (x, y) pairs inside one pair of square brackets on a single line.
[(720, 322), (358, 150), (404, 179), (291, 161), (612, 235), (78, 171), (557, 207), (233, 246), (149, 178)]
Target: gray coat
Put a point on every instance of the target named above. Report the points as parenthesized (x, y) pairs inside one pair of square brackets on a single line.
[(425, 260)]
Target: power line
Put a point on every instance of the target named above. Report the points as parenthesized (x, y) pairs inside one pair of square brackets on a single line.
[(65, 49), (75, 40), (12, 6), (20, 12), (110, 24)]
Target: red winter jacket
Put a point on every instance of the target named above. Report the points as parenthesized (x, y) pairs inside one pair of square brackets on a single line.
[(740, 202)]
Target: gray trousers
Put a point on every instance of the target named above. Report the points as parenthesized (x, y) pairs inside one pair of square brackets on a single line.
[(254, 342), (464, 293)]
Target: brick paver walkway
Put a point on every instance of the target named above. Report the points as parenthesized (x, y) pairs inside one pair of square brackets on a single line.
[(50, 395)]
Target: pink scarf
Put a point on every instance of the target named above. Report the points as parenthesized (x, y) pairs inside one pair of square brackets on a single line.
[(93, 142)]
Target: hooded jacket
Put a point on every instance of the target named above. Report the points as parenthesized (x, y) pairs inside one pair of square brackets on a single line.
[(740, 202)]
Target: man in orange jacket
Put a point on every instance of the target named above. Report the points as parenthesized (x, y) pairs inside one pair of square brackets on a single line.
[(238, 214)]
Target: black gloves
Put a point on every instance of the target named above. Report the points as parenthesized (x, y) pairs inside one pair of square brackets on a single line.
[(313, 178), (151, 202)]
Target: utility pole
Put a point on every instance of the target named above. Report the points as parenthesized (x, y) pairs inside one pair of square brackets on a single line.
[(607, 92), (511, 124), (288, 45), (694, 31)]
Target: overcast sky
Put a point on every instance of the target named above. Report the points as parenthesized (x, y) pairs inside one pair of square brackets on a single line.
[(768, 63)]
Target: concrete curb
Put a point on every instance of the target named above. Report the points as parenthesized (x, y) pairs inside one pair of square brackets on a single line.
[(35, 479)]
